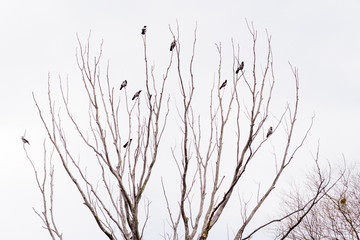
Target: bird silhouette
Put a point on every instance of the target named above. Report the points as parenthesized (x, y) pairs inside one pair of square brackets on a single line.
[(143, 30), (173, 44), (136, 95), (123, 84), (223, 84), (25, 140), (240, 67), (127, 143), (270, 131)]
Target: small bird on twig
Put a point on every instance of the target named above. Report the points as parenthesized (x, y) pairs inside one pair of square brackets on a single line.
[(136, 95), (123, 84), (240, 67), (127, 143), (270, 131), (25, 140), (172, 46), (223, 84), (143, 30)]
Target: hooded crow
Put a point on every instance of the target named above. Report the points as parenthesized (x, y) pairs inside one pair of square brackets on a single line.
[(143, 30), (136, 95), (127, 143), (270, 131), (240, 68), (25, 140), (172, 46), (223, 84), (123, 84)]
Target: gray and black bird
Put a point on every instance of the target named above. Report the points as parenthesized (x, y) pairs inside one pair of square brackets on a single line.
[(143, 30), (270, 131), (172, 46), (127, 143), (123, 84), (136, 95), (223, 84), (25, 140), (240, 67)]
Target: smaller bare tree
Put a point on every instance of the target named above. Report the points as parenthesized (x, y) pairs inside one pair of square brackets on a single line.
[(332, 214)]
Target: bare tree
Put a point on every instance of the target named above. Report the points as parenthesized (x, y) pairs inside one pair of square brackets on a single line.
[(198, 218), (126, 156)]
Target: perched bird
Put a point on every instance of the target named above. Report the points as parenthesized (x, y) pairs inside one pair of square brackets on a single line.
[(25, 140), (127, 143), (136, 95), (270, 131), (143, 30), (223, 84), (240, 67), (123, 84), (173, 44)]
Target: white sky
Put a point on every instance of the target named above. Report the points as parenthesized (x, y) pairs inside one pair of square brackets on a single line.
[(321, 38)]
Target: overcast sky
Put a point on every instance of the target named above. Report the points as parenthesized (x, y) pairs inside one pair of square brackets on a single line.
[(321, 38)]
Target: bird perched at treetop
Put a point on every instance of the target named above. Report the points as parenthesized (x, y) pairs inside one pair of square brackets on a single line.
[(270, 131), (240, 67), (173, 44), (123, 84), (24, 140), (143, 30), (127, 143), (136, 95), (223, 84)]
